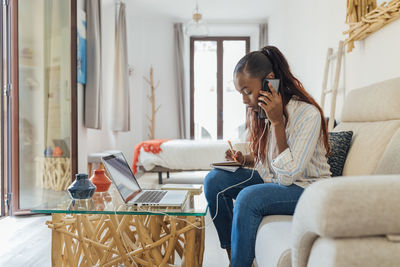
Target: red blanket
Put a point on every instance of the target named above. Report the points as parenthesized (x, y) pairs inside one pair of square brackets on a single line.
[(153, 146)]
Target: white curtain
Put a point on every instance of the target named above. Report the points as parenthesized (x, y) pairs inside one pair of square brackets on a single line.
[(180, 78), (263, 40), (120, 103), (93, 79)]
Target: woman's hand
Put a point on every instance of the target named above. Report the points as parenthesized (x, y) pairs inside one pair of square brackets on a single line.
[(271, 103), (235, 156)]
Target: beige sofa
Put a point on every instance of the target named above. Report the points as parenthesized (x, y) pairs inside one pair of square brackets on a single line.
[(352, 220)]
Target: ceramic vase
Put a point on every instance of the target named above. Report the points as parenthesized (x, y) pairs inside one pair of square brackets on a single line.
[(82, 187), (48, 152), (57, 152), (100, 180)]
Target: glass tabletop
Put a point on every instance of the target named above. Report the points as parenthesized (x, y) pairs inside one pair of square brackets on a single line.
[(111, 203)]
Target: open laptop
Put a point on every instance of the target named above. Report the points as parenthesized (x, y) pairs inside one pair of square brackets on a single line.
[(127, 185)]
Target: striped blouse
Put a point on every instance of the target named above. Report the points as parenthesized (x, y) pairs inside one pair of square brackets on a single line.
[(304, 161)]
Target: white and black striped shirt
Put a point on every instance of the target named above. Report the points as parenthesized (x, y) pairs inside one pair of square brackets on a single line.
[(304, 161)]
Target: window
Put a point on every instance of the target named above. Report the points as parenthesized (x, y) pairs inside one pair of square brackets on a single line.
[(216, 108)]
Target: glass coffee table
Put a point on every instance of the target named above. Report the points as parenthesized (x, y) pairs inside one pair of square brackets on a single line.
[(103, 231)]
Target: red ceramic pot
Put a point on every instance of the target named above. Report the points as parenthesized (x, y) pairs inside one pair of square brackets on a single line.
[(57, 152), (100, 180)]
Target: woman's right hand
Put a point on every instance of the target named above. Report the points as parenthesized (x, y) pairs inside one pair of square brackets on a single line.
[(235, 156)]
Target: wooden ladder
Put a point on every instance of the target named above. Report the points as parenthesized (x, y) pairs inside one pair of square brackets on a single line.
[(329, 58)]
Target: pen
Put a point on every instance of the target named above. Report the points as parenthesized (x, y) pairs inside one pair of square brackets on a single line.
[(231, 148)]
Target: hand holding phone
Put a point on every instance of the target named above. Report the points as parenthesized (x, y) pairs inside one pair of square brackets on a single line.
[(265, 87)]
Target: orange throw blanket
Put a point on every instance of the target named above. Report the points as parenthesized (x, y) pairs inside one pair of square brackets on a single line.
[(153, 146)]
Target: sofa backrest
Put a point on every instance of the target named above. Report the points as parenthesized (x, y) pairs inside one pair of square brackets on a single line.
[(373, 114)]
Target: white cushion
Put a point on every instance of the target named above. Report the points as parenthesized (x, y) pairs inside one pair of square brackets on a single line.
[(355, 252), (368, 144), (376, 102), (345, 207), (390, 161), (273, 241)]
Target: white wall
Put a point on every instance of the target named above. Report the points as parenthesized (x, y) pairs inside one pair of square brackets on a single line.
[(303, 30), (150, 43)]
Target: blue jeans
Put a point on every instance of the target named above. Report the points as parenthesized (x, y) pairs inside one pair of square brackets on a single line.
[(237, 226)]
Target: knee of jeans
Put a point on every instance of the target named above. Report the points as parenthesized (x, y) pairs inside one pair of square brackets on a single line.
[(211, 186), (244, 199)]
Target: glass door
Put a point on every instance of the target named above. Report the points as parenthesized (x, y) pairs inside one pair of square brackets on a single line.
[(216, 108), (234, 111), (43, 100)]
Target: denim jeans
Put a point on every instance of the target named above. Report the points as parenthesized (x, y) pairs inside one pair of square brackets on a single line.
[(237, 226)]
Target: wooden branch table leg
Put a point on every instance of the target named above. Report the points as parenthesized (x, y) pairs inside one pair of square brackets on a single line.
[(56, 242), (190, 238), (109, 240)]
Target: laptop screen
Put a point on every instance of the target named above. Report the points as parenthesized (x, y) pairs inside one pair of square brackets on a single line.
[(122, 176)]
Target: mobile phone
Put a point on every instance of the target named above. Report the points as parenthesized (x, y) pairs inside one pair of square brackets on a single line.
[(265, 87)]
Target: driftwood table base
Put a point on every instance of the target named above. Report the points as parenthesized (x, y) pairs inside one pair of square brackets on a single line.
[(131, 240), (55, 173)]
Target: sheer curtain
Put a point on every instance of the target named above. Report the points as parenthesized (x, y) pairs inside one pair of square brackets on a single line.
[(180, 78), (93, 81), (121, 109), (263, 40)]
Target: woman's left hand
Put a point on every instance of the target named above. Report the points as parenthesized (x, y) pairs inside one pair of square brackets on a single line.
[(271, 103)]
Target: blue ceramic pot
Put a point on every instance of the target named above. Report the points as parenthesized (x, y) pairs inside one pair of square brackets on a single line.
[(48, 152), (82, 187)]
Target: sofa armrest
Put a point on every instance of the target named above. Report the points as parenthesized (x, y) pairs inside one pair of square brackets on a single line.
[(345, 207)]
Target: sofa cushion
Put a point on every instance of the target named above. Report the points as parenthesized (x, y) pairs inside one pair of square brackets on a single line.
[(340, 144), (390, 161), (376, 102), (355, 252), (346, 207), (273, 241), (368, 144)]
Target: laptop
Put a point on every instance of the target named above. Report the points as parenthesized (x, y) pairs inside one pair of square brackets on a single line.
[(130, 191)]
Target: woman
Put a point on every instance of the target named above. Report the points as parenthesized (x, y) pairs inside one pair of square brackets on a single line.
[(288, 151)]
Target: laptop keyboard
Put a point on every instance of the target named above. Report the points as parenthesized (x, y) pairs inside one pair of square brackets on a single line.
[(151, 196)]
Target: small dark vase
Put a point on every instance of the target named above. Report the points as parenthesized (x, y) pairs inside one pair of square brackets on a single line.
[(82, 187), (48, 152)]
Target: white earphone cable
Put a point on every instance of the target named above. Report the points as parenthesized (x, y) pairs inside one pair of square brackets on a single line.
[(242, 182)]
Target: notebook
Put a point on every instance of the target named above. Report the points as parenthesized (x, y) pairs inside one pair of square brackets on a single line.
[(130, 191), (230, 166)]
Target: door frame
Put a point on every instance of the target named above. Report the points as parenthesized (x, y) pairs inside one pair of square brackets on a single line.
[(2, 126), (14, 122), (220, 93)]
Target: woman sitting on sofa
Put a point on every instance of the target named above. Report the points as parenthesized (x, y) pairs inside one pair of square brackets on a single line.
[(288, 151)]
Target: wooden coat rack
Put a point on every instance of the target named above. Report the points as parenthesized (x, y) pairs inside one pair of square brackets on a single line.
[(152, 99)]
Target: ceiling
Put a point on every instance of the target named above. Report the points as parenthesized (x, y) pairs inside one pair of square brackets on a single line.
[(212, 10)]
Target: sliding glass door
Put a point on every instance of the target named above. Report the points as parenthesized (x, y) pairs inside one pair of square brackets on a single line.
[(43, 120)]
